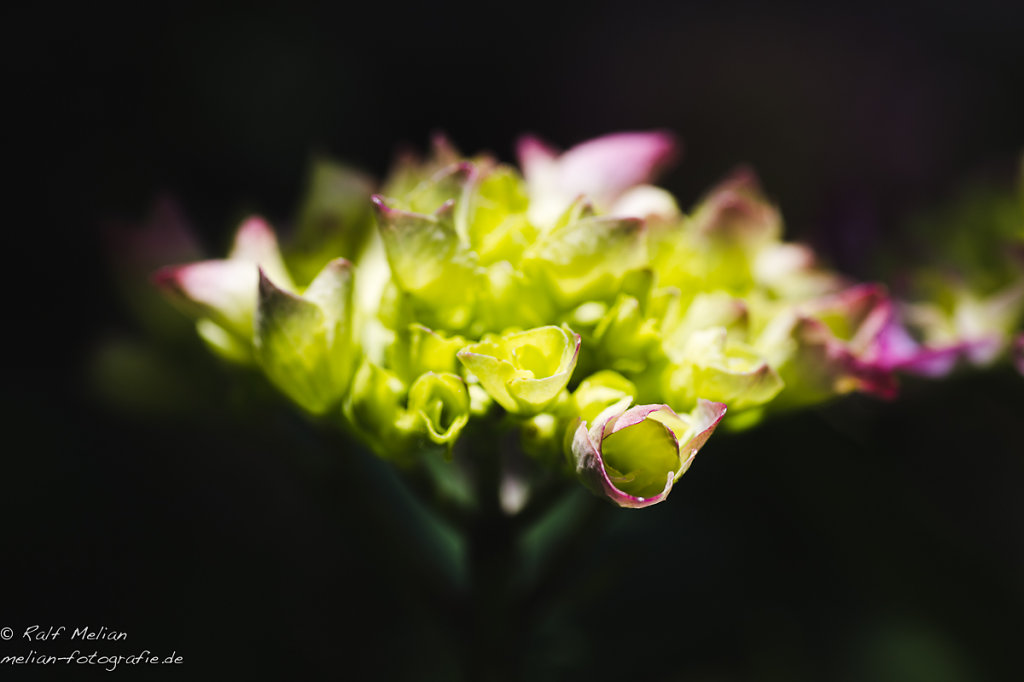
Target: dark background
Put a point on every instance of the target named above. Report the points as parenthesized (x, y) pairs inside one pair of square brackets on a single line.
[(860, 541)]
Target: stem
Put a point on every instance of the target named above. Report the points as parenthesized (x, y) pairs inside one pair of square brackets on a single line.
[(496, 635)]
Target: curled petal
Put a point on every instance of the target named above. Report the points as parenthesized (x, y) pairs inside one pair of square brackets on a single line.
[(632, 457), (524, 372), (441, 402)]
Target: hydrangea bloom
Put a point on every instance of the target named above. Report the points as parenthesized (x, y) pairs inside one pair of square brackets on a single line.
[(572, 302)]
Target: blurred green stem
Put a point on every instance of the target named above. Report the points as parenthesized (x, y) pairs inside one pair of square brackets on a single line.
[(495, 637)]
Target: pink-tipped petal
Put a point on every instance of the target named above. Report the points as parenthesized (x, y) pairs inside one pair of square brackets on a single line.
[(604, 168), (223, 290), (255, 241), (736, 209), (591, 470), (534, 155)]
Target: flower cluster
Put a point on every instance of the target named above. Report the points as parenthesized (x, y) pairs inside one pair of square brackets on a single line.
[(971, 297), (572, 300)]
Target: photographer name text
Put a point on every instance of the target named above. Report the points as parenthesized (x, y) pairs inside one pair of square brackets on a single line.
[(86, 633)]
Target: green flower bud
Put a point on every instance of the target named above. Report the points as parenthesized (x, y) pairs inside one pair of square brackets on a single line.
[(417, 350), (440, 405), (626, 337), (524, 371), (396, 422), (510, 299), (717, 247), (410, 171), (588, 259), (497, 226), (600, 391), (429, 262), (334, 219), (376, 407), (304, 344), (540, 437), (704, 311), (728, 371), (448, 184)]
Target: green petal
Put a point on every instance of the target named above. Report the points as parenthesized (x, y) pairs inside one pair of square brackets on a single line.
[(417, 350), (711, 367), (449, 184), (493, 372), (626, 337), (376, 406), (304, 345), (509, 300), (497, 226), (429, 262), (223, 343), (639, 457), (334, 219), (442, 403), (704, 311), (588, 259)]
